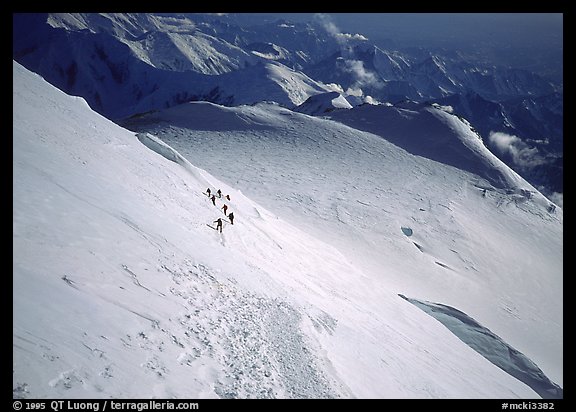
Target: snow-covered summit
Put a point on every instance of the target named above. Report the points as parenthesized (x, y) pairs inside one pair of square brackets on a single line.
[(169, 42), (124, 64), (320, 104)]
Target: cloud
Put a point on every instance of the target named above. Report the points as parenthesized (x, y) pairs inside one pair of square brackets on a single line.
[(335, 87), (352, 91), (361, 75), (557, 198), (371, 100), (521, 154), (502, 141), (325, 21), (348, 36)]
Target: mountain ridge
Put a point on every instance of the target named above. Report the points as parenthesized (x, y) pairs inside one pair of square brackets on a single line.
[(125, 64), (356, 218), (153, 304)]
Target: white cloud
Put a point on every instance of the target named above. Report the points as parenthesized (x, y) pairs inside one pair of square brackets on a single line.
[(349, 36), (361, 75), (521, 154), (371, 100), (557, 198), (503, 141), (335, 87), (326, 22), (354, 92)]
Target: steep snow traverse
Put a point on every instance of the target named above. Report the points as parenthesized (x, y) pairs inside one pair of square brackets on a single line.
[(338, 232), (232, 206), (451, 223)]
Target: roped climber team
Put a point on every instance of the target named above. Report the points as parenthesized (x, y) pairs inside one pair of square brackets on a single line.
[(224, 208)]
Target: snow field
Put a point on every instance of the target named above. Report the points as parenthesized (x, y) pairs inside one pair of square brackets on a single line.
[(121, 290)]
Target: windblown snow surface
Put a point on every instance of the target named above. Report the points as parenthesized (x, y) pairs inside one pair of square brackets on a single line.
[(121, 289)]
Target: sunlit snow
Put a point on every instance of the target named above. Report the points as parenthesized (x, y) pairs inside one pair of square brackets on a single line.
[(121, 289)]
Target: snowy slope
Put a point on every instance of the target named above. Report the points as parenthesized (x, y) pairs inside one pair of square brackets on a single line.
[(539, 121), (433, 132), (416, 202), (199, 42), (122, 290), (172, 42), (268, 82), (128, 64)]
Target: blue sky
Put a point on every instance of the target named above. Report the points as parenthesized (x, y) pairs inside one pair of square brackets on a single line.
[(516, 28)]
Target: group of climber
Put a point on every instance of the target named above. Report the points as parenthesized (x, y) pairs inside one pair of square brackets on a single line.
[(223, 208)]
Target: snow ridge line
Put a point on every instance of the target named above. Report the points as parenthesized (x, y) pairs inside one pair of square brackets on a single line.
[(164, 150), (491, 346)]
